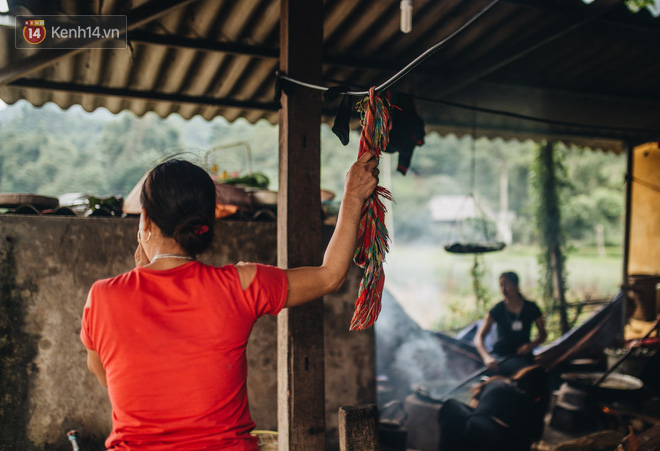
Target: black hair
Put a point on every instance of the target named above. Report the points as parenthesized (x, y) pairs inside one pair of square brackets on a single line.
[(533, 380), (511, 277), (179, 197)]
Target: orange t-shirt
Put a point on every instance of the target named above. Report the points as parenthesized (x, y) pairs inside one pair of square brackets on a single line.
[(173, 345)]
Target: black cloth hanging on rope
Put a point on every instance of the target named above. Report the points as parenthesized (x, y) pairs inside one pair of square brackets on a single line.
[(341, 126), (407, 129), (407, 126)]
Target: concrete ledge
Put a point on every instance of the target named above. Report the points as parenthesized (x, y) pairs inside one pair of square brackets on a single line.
[(48, 264)]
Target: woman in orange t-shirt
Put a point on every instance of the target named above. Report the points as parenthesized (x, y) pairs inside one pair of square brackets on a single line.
[(168, 338)]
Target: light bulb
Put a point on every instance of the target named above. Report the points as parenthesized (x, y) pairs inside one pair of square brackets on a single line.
[(406, 16)]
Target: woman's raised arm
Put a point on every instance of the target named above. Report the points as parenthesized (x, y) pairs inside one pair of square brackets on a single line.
[(308, 283)]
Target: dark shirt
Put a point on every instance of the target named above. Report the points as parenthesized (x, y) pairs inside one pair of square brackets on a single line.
[(466, 428), (509, 340), (502, 399)]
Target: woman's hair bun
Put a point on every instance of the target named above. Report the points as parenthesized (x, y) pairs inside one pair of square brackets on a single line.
[(180, 198), (194, 235)]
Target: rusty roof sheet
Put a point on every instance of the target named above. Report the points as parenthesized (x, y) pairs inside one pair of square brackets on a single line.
[(539, 69)]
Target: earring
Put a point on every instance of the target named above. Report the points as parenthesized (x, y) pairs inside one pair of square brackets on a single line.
[(139, 236)]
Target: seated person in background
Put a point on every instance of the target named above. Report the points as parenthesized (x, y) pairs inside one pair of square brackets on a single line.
[(514, 317), (507, 414)]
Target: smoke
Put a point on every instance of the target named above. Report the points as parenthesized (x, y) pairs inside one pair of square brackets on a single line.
[(422, 360), (407, 355)]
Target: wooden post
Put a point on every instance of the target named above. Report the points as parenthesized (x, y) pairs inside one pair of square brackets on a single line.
[(630, 161), (300, 355), (554, 232), (358, 428), (557, 265)]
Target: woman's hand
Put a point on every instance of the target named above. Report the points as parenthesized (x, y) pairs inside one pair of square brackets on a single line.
[(362, 177), (309, 283), (141, 258), (490, 362)]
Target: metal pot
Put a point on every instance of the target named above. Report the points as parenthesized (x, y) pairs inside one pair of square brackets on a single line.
[(263, 197), (614, 386), (634, 363)]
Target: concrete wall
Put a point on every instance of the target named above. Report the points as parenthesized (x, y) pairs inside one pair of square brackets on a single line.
[(47, 265)]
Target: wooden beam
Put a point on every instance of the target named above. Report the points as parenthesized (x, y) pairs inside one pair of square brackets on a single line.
[(519, 49), (154, 96), (582, 92), (261, 51), (360, 62), (620, 19), (358, 428), (300, 353), (136, 17), (209, 45)]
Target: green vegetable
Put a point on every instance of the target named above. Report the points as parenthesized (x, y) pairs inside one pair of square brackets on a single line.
[(256, 180)]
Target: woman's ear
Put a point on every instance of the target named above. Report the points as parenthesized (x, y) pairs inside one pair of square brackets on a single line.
[(145, 221)]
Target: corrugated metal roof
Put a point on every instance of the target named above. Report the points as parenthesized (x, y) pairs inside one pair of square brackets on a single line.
[(586, 74)]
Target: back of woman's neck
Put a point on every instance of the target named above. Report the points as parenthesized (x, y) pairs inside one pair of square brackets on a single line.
[(167, 263)]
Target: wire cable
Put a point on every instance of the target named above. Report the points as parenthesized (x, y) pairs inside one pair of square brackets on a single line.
[(525, 117), (421, 58), (412, 65)]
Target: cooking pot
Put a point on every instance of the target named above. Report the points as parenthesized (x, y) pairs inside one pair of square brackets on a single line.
[(634, 362), (614, 386), (262, 197)]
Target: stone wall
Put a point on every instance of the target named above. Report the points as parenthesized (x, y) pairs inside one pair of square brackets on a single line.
[(47, 265)]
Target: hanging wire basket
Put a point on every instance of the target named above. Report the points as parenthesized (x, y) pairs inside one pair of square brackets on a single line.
[(481, 243), (465, 245), (474, 248)]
